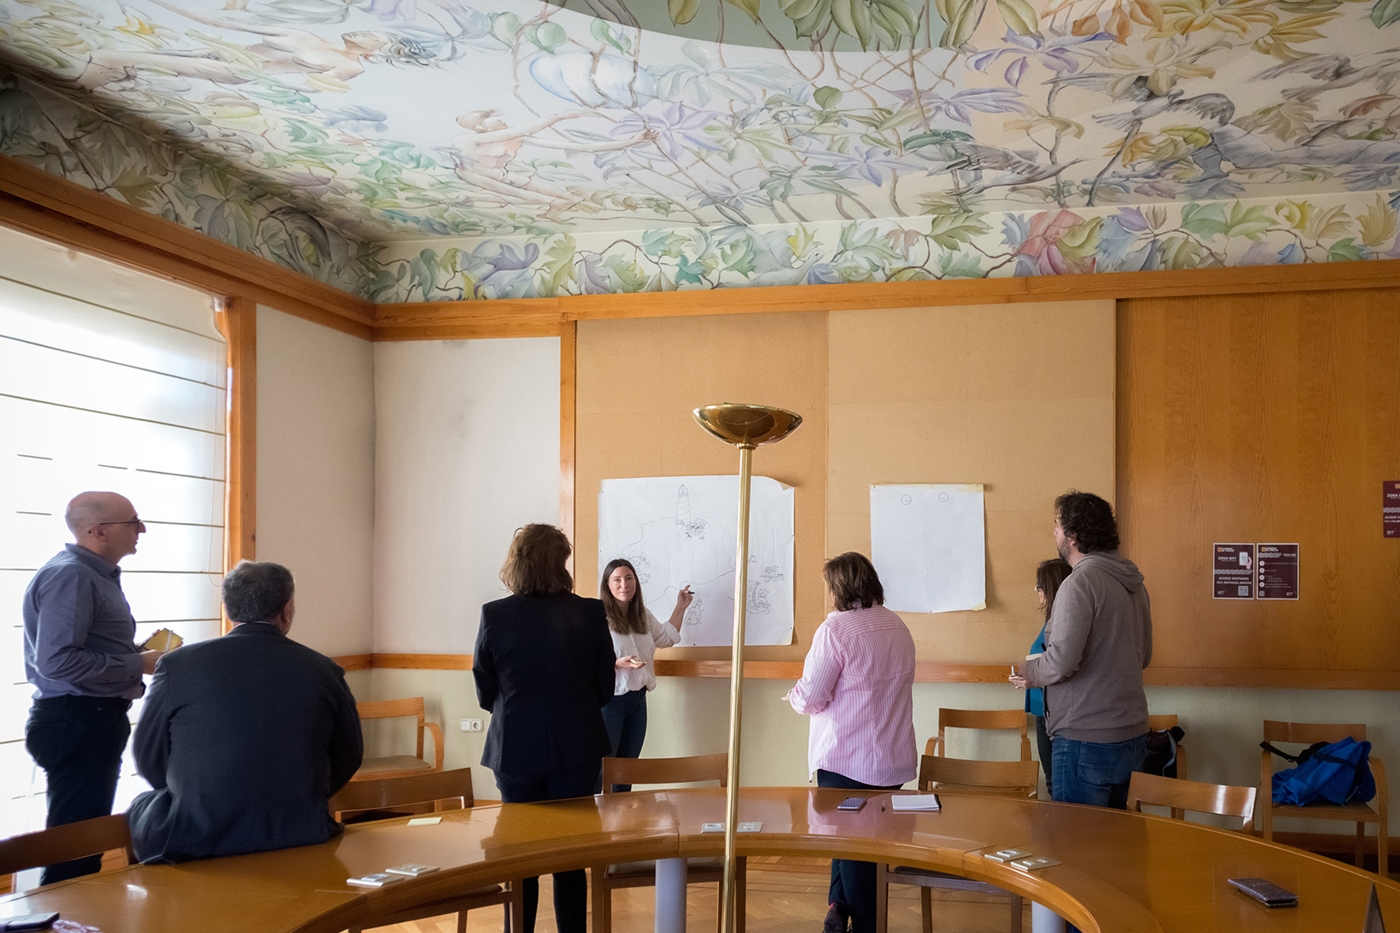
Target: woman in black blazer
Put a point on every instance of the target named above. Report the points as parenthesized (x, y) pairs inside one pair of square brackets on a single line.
[(544, 669)]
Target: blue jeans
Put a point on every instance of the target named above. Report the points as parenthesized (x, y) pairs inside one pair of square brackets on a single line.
[(1096, 773), (852, 882), (625, 718), (570, 887)]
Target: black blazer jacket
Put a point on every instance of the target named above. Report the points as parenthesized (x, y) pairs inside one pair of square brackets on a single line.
[(243, 738), (544, 668)]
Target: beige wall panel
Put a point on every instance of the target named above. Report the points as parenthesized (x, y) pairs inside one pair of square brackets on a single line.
[(1018, 398), (638, 381), (315, 478)]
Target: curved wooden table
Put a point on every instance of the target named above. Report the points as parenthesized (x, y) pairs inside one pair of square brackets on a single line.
[(1120, 872)]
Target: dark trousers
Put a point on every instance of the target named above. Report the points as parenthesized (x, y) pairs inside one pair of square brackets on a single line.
[(570, 887), (852, 883), (625, 718), (78, 741)]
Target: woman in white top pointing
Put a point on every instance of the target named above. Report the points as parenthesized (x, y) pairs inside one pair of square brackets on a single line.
[(635, 635)]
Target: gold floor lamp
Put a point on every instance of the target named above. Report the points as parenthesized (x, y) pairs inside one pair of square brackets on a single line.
[(746, 427)]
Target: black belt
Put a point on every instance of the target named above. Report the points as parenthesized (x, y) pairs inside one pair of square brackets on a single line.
[(77, 702)]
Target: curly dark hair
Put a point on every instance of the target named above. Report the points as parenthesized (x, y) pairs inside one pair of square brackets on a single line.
[(1088, 520)]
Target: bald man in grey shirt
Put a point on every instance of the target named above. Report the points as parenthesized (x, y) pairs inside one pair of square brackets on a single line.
[(80, 654)]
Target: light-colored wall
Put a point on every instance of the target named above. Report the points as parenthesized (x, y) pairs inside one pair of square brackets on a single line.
[(466, 451), (315, 489)]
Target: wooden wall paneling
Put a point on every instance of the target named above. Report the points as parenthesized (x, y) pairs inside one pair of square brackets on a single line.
[(638, 382), (1017, 397), (1253, 419), (33, 200)]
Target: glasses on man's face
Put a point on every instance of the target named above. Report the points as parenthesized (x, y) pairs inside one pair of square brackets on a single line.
[(134, 521)]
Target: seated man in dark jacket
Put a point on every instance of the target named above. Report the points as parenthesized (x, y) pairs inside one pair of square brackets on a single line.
[(244, 737)]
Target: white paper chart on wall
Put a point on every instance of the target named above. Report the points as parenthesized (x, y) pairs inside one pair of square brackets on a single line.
[(682, 530), (928, 543)]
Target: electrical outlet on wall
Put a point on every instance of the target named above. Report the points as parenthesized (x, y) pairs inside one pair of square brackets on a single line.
[(471, 725)]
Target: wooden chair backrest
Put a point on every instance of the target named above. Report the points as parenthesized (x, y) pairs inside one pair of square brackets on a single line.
[(395, 709), (1179, 795), (1306, 733), (665, 770), (62, 843), (402, 791), (1008, 778), (1014, 719), (1162, 722)]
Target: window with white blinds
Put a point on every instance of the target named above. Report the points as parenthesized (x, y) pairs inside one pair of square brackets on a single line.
[(109, 379)]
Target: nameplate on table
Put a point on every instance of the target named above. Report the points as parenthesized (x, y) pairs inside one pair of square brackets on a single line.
[(425, 821), (748, 826)]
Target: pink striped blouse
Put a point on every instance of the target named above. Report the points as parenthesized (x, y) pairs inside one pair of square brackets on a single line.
[(858, 686)]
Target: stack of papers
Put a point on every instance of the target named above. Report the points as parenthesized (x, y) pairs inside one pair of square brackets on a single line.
[(915, 802)]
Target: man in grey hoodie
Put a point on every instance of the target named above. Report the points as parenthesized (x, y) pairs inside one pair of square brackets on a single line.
[(1097, 643)]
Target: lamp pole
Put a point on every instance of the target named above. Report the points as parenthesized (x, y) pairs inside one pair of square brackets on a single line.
[(745, 427)]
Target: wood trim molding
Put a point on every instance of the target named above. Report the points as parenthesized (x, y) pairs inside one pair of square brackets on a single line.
[(38, 202), (1291, 679), (467, 320), (238, 321), (355, 662), (542, 316), (568, 421), (58, 209), (937, 672)]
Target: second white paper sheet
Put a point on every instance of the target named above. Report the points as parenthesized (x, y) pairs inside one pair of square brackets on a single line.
[(681, 530), (929, 543)]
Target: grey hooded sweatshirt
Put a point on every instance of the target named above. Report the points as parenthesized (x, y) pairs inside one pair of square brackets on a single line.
[(1097, 643)]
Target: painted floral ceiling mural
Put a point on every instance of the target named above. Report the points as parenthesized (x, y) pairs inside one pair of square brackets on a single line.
[(429, 149)]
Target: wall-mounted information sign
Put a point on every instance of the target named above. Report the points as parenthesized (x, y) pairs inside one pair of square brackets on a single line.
[(1390, 508), (1233, 573), (1278, 571)]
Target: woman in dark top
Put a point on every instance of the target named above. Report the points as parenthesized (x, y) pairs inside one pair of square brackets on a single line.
[(1048, 577), (544, 669)]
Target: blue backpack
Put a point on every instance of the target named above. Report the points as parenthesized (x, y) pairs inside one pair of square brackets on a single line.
[(1338, 773)]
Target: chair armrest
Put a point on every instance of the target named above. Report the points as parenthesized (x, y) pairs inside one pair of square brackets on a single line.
[(436, 730), (931, 746), (1382, 788)]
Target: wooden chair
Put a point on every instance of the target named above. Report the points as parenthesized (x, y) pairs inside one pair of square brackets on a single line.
[(64, 843), (643, 874), (1182, 795), (396, 766), (961, 776), (1012, 719), (1306, 733), (437, 789), (1162, 723)]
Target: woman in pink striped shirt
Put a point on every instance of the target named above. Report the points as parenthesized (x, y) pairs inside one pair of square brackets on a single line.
[(858, 687)]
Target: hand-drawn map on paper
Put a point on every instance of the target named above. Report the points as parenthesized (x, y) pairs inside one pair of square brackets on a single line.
[(679, 530), (929, 545)]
